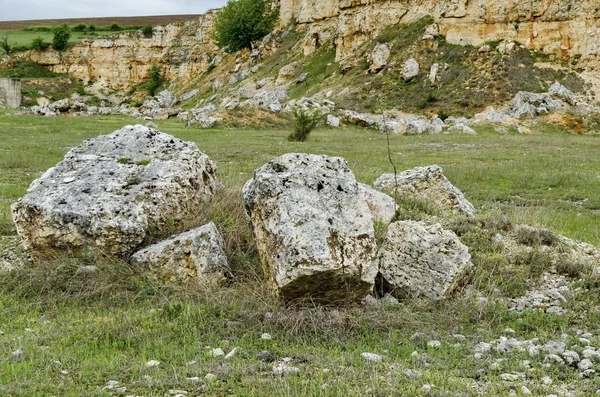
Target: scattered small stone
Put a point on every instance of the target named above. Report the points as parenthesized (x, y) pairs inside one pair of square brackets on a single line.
[(478, 356), (266, 336), (218, 352), (409, 373), (194, 379), (56, 364), (571, 357), (64, 372), (111, 384), (18, 354), (434, 343), (426, 387), (231, 354), (585, 364), (210, 377), (152, 363), (121, 389), (371, 357), (483, 347), (284, 369), (525, 390), (265, 356), (547, 380), (588, 373), (509, 377)]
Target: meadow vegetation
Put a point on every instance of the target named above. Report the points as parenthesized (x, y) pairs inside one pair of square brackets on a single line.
[(79, 330)]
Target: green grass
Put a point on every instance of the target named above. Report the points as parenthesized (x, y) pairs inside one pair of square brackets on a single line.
[(106, 325), (21, 38)]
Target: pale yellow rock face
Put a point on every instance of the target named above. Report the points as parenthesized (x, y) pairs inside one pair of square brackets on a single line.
[(184, 50), (563, 27)]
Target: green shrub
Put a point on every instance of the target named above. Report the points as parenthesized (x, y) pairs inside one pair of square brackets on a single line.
[(38, 44), (305, 121), (4, 44), (148, 31), (91, 28), (115, 27), (80, 27), (242, 22), (62, 34), (155, 79)]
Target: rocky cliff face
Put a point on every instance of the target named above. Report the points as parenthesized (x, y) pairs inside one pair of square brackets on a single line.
[(568, 28), (183, 50), (564, 27)]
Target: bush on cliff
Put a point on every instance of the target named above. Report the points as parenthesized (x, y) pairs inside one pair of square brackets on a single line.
[(242, 22), (62, 34)]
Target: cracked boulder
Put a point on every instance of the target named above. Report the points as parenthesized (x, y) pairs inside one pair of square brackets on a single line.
[(422, 260), (313, 228), (113, 191), (194, 256), (428, 184)]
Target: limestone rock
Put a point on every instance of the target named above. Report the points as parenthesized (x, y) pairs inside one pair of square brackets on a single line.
[(410, 69), (191, 256), (430, 184), (166, 99), (189, 95), (333, 121), (379, 57), (382, 206), (313, 229), (421, 260), (113, 190)]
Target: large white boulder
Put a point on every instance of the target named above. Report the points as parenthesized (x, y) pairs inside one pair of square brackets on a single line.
[(423, 260), (313, 228), (112, 191), (379, 57), (429, 184), (193, 256)]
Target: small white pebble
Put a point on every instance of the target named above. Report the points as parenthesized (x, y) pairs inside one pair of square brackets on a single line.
[(266, 336), (525, 390), (371, 357), (434, 343), (210, 377), (218, 352), (152, 363)]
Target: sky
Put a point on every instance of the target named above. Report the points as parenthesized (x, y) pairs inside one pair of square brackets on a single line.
[(11, 10)]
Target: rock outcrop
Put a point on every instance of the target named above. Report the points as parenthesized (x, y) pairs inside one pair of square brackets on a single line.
[(113, 191), (184, 50), (428, 184), (193, 256), (313, 229), (421, 260), (562, 27)]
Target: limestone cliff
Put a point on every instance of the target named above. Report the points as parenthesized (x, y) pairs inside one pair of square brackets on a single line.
[(183, 50), (563, 27)]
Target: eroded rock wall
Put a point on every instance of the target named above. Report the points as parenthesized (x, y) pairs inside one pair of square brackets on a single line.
[(564, 27), (184, 50)]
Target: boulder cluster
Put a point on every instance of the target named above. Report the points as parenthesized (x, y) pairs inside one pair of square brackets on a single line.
[(313, 223)]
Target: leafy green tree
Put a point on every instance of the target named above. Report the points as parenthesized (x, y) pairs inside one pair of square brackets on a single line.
[(91, 28), (62, 34), (5, 45), (242, 22), (80, 27), (155, 79), (148, 31)]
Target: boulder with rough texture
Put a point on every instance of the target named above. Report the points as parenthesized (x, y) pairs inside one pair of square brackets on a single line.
[(410, 69), (430, 184), (313, 228), (112, 191), (383, 207), (333, 121), (196, 255), (423, 260), (379, 57), (166, 99)]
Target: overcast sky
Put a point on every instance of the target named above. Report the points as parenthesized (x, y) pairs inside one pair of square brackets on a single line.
[(11, 10)]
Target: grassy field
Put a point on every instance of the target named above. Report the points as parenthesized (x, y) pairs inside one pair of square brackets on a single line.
[(152, 20), (76, 332), (20, 38)]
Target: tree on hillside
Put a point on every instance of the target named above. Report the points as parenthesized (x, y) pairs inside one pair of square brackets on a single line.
[(5, 45), (242, 22), (62, 34)]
